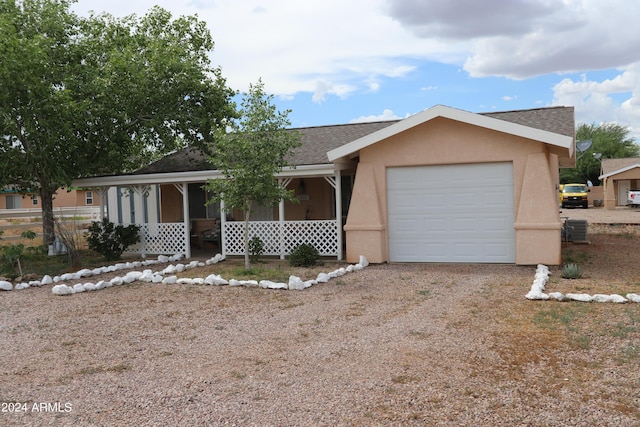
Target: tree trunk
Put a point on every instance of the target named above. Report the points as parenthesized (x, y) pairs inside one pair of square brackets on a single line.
[(48, 229)]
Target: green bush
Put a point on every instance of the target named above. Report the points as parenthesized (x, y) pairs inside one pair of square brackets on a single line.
[(111, 240), (256, 248), (304, 255)]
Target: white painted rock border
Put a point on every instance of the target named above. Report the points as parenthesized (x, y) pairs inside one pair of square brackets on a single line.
[(540, 282), (167, 277)]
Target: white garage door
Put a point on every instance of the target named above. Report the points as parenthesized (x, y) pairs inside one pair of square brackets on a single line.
[(451, 213)]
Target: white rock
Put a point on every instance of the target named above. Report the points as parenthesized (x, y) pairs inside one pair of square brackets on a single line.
[(322, 278), (601, 298), (618, 299), (128, 265), (62, 290), (35, 283), (136, 264), (542, 267), (234, 282), (358, 267), (89, 286), (111, 269), (163, 259), (85, 272), (215, 279), (184, 281), (249, 283), (117, 281), (633, 297), (101, 285), (78, 287), (5, 286), (46, 280), (170, 280), (180, 268), (197, 281), (97, 271), (131, 276), (120, 266), (176, 257), (363, 261), (20, 286), (67, 276), (309, 283), (146, 276), (295, 283), (535, 295), (108, 284), (157, 278), (559, 296), (56, 279), (268, 284), (579, 297), (193, 264), (349, 268), (169, 269)]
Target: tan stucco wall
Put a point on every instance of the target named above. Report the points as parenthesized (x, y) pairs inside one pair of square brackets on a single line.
[(611, 186), (444, 141)]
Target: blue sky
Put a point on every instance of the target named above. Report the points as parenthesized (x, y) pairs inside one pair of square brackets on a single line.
[(343, 61)]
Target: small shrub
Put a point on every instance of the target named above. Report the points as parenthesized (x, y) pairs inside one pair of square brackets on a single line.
[(256, 248), (304, 255), (571, 271), (111, 240)]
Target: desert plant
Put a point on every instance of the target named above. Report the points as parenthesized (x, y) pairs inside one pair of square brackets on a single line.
[(305, 255), (111, 240), (571, 271), (11, 254), (256, 248)]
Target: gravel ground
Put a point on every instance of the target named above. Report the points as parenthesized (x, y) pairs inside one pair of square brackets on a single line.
[(402, 344)]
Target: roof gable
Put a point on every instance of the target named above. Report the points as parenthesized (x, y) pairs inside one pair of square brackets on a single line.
[(517, 123), (611, 167)]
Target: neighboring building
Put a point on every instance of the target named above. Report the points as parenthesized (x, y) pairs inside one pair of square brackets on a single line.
[(444, 185), (10, 199), (618, 176)]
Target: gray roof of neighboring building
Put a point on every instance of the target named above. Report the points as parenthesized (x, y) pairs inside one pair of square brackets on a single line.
[(318, 140)]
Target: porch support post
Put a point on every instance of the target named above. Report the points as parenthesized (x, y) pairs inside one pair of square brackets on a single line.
[(281, 221), (185, 215), (139, 193), (102, 194), (338, 191), (184, 190), (223, 223)]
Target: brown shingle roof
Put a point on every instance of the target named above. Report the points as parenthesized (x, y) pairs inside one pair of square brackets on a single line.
[(612, 165), (318, 140)]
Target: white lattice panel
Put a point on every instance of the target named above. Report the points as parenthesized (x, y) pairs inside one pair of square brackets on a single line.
[(323, 235), (163, 238)]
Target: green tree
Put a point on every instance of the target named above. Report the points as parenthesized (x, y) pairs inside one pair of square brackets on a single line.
[(99, 95), (609, 141), (249, 153)]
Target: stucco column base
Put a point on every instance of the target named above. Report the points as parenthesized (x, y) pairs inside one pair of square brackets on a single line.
[(538, 244), (367, 241), (609, 204)]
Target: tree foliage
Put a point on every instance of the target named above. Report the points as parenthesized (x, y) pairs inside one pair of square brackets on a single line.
[(609, 141), (99, 95), (249, 153)]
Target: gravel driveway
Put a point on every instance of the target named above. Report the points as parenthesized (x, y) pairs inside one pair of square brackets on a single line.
[(403, 344)]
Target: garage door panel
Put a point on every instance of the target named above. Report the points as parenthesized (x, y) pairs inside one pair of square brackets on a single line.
[(458, 213)]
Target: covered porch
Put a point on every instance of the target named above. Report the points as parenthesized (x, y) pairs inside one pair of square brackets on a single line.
[(171, 211)]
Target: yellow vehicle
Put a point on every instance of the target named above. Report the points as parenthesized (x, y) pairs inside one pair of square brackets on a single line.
[(574, 195)]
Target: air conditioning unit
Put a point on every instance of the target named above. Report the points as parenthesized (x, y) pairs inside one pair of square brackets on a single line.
[(576, 230)]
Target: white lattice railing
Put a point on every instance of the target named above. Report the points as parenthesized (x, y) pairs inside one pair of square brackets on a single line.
[(163, 238), (281, 238)]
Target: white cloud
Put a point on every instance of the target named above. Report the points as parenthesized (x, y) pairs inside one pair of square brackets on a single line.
[(386, 115), (595, 102)]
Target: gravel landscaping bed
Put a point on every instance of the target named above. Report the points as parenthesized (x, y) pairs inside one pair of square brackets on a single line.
[(399, 344)]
